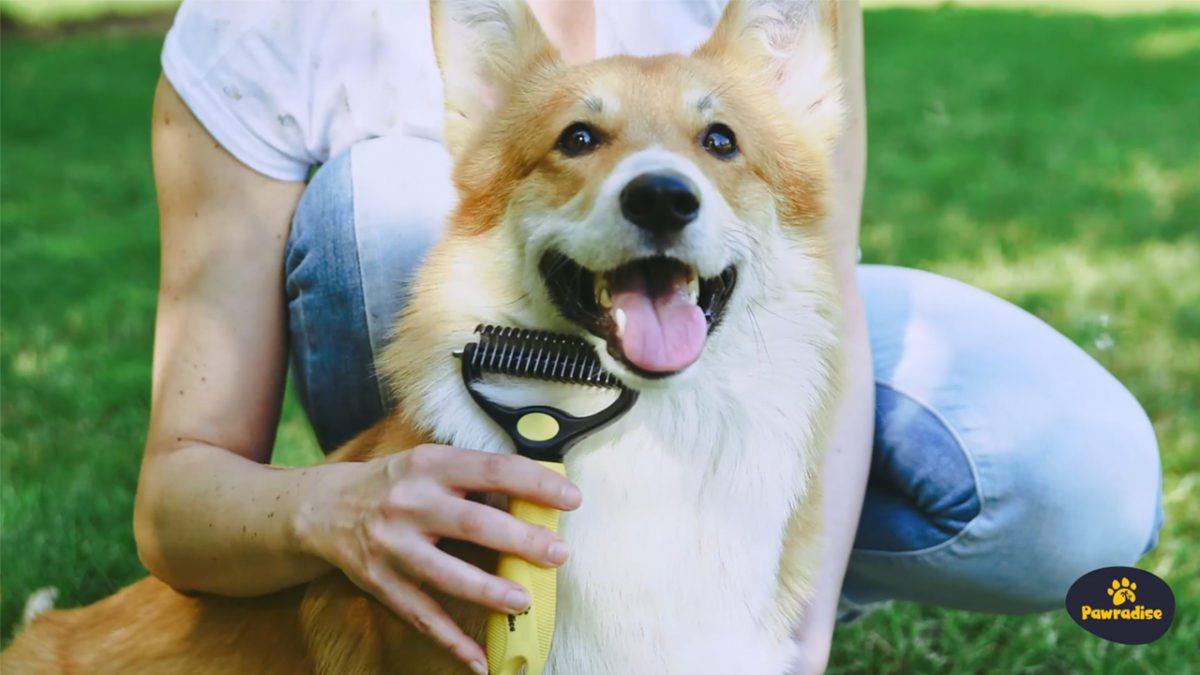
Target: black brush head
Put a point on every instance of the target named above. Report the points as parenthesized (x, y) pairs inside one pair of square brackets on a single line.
[(542, 355), (545, 356)]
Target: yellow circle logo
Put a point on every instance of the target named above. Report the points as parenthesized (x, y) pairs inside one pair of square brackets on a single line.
[(537, 426)]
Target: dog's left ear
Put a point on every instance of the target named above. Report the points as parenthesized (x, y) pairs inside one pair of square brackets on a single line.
[(482, 47), (793, 43)]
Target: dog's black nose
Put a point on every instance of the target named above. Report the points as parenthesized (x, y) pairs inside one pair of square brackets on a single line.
[(660, 203)]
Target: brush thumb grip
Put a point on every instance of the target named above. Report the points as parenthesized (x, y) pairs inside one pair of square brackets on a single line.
[(516, 641)]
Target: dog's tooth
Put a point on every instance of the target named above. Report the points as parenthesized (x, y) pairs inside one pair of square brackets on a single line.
[(603, 298), (619, 318), (693, 288)]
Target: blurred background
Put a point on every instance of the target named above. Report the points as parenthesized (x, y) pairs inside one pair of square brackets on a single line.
[(1048, 152)]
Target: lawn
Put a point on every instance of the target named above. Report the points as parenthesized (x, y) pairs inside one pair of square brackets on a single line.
[(1051, 159)]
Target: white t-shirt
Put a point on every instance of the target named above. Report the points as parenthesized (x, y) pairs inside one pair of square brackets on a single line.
[(286, 85)]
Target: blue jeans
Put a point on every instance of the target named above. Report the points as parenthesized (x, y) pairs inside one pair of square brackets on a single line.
[(1006, 463)]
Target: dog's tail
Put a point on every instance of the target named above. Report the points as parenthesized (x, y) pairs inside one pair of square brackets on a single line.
[(148, 627), (39, 602), (28, 654)]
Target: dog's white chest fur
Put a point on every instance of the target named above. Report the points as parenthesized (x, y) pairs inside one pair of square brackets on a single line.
[(676, 550)]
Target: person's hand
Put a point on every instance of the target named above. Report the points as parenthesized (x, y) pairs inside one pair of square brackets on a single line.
[(379, 522)]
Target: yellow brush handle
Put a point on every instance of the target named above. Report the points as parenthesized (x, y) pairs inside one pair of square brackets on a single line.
[(516, 640)]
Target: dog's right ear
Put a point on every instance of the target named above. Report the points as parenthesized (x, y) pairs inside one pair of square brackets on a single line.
[(793, 44), (482, 47)]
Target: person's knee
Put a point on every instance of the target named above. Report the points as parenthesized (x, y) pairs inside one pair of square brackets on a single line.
[(1059, 521), (1040, 527), (1063, 458)]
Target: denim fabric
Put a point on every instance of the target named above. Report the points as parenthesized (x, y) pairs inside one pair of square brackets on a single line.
[(922, 489), (350, 256), (1027, 463), (332, 365), (1006, 462)]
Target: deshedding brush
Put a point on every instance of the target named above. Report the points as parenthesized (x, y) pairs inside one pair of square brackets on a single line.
[(520, 643)]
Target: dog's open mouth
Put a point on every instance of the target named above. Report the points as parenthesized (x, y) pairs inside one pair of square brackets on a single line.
[(654, 314)]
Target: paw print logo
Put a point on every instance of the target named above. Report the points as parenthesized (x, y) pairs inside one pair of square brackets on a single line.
[(1122, 591)]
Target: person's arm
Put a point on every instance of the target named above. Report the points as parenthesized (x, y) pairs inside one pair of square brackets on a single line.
[(844, 475), (210, 516), (219, 371)]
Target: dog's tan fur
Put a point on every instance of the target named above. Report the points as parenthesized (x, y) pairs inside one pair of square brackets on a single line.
[(329, 625)]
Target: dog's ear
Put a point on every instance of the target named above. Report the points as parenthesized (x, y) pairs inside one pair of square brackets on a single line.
[(793, 43), (482, 46)]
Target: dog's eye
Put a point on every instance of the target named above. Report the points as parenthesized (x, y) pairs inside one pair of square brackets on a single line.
[(578, 139), (719, 140)]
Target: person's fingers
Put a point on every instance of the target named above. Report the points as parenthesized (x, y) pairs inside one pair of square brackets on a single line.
[(413, 606), (429, 564), (477, 471), (494, 529)]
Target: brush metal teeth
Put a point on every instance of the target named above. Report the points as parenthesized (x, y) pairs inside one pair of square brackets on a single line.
[(538, 354)]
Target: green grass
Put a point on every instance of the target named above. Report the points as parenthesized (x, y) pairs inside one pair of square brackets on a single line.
[(1051, 159), (58, 12)]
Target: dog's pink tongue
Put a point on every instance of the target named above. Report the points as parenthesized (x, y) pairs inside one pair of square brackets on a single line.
[(664, 330)]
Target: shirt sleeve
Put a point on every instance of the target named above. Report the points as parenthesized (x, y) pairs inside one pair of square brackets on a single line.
[(243, 68)]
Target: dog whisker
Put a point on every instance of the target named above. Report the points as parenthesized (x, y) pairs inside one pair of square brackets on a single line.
[(758, 334), (775, 314)]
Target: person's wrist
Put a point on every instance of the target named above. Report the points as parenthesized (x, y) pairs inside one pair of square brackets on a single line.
[(813, 656), (309, 528), (813, 634)]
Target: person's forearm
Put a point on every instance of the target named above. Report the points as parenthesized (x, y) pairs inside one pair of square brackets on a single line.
[(844, 475), (208, 520), (209, 516), (843, 482)]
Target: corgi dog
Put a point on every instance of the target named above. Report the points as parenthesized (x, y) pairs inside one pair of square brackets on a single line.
[(667, 210)]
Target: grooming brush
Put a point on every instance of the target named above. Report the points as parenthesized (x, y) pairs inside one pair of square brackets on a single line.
[(520, 643)]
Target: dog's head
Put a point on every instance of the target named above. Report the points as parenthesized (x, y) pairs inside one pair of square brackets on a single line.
[(638, 202)]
